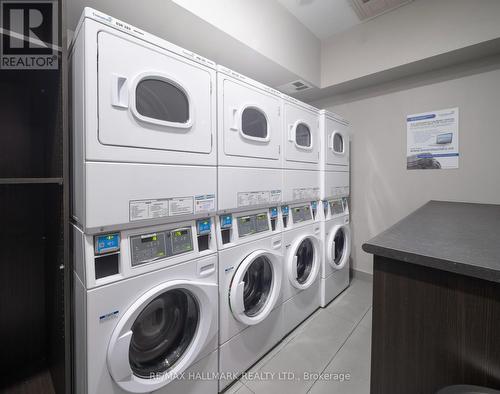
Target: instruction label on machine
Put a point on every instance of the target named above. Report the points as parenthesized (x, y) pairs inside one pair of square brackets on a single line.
[(180, 206), (204, 203), (432, 140), (159, 208), (246, 199), (304, 193), (148, 209)]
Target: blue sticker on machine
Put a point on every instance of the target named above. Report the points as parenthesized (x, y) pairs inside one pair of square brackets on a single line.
[(285, 210), (274, 212), (226, 221), (108, 316), (107, 243), (203, 226)]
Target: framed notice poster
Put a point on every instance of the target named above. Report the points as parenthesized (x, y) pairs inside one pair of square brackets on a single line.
[(432, 140)]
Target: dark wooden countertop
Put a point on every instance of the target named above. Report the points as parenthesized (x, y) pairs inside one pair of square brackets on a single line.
[(458, 237)]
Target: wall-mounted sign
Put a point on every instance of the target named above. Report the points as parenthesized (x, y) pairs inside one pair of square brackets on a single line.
[(432, 140)]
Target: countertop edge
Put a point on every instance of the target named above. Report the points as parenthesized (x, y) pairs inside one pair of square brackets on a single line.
[(433, 262)]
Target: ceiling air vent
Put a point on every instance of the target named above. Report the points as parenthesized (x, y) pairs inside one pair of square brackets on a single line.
[(294, 87), (366, 9)]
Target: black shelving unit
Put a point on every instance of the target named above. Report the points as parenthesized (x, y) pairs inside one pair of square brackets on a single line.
[(35, 279)]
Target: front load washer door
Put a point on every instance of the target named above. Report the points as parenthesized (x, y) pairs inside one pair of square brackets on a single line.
[(339, 246), (255, 287), (161, 335), (150, 98), (303, 264)]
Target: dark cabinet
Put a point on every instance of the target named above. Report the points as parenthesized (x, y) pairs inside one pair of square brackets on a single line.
[(35, 307)]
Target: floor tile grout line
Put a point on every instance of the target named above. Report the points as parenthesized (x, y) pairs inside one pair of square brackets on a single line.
[(338, 350), (285, 342), (295, 336), (290, 338)]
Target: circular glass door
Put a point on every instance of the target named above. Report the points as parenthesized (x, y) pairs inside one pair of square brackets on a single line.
[(340, 247), (303, 263), (305, 260), (162, 332), (255, 287), (258, 280)]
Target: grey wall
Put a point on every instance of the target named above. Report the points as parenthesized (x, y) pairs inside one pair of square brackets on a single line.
[(419, 30), (382, 190)]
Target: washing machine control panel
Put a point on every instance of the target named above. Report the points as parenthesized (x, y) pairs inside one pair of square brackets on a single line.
[(147, 248), (337, 206), (301, 213), (251, 224)]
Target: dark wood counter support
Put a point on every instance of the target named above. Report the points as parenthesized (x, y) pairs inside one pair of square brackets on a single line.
[(436, 318)]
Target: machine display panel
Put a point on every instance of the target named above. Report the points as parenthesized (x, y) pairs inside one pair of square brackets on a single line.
[(226, 221), (336, 207), (182, 241), (252, 224), (106, 243), (203, 226), (301, 214), (261, 222), (273, 212), (147, 248)]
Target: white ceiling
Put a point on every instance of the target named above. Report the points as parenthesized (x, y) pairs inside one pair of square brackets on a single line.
[(323, 17)]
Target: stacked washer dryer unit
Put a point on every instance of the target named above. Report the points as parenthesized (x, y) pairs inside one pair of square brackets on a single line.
[(144, 202), (300, 220), (334, 191), (249, 233)]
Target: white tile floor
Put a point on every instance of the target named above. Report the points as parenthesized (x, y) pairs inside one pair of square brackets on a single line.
[(333, 341)]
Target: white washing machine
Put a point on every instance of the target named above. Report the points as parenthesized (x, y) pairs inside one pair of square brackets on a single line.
[(143, 128), (250, 294), (334, 155), (302, 262), (336, 236), (146, 312), (249, 143), (301, 150)]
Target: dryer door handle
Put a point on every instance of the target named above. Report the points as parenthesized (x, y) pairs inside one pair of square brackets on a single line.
[(119, 91), (291, 133), (234, 115), (330, 141)]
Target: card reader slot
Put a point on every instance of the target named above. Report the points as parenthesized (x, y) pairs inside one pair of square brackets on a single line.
[(106, 265), (226, 236)]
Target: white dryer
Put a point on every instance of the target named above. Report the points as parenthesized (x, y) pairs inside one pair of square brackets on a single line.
[(301, 151), (145, 312), (336, 236), (334, 156), (249, 143), (302, 262), (250, 280), (143, 127)]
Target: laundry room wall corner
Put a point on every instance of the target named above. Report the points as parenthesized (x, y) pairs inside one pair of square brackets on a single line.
[(382, 190)]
